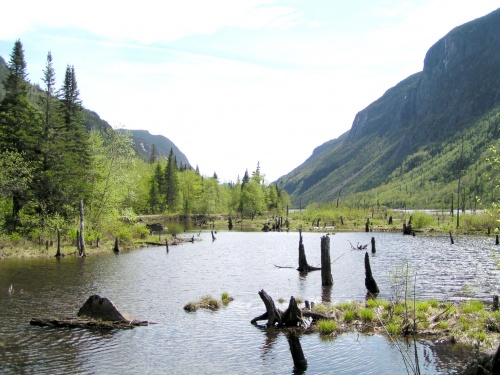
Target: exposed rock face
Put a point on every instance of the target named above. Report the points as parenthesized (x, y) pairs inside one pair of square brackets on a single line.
[(100, 308), (459, 83)]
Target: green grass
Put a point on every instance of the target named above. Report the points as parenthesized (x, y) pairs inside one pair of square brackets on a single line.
[(326, 327), (349, 316), (367, 315), (472, 307)]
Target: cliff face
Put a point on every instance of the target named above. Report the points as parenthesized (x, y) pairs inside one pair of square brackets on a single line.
[(460, 81)]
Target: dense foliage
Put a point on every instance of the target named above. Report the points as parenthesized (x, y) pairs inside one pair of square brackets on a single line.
[(51, 159)]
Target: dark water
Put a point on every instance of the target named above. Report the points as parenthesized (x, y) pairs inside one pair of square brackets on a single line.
[(152, 285)]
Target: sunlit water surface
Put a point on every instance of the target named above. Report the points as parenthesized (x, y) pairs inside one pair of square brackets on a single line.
[(151, 284)]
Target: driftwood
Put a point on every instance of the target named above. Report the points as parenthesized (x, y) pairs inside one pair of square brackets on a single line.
[(303, 265), (358, 246)]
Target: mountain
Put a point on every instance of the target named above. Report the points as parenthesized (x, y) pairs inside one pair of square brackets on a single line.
[(436, 109), (144, 141)]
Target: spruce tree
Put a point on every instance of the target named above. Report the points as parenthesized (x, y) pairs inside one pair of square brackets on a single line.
[(75, 142), (20, 123)]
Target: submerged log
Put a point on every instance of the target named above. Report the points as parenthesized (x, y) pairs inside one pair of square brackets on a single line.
[(86, 323), (303, 265), (370, 282)]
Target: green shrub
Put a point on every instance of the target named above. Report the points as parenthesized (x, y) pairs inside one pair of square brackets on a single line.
[(422, 220)]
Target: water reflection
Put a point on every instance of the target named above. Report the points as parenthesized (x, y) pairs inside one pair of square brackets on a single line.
[(151, 286), (326, 294)]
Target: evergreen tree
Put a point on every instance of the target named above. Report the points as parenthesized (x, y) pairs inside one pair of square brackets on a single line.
[(20, 123), (75, 142), (171, 183), (154, 154)]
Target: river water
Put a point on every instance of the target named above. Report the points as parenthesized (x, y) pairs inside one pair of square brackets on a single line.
[(151, 284)]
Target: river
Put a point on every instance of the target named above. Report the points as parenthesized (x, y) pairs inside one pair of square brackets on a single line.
[(151, 284)]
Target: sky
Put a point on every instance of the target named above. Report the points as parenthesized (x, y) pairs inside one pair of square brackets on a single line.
[(233, 83)]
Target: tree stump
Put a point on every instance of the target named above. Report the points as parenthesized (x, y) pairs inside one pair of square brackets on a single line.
[(292, 317), (326, 265), (58, 254), (370, 282), (272, 314), (303, 266), (116, 249), (373, 245)]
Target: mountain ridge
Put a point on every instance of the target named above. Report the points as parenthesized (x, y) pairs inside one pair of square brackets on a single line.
[(459, 83)]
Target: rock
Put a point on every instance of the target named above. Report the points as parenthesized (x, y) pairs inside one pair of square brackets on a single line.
[(100, 308)]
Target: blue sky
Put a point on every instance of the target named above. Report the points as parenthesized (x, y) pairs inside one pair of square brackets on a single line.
[(233, 83)]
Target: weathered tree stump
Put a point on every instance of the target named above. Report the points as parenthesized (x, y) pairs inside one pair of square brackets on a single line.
[(407, 229), (58, 254), (230, 223), (100, 308), (373, 245), (390, 220), (370, 282), (116, 249), (326, 265), (367, 225), (299, 361), (495, 303), (497, 240), (292, 317), (272, 314), (451, 239), (81, 249), (303, 266)]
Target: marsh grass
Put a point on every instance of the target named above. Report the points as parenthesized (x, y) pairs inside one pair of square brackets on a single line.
[(468, 322), (208, 302), (326, 327)]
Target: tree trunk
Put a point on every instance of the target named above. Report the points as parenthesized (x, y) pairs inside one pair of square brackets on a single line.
[(373, 245), (370, 283), (82, 237), (58, 254), (116, 249), (303, 266), (326, 266)]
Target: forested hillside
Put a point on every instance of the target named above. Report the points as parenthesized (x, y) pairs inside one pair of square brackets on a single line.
[(56, 158), (406, 147)]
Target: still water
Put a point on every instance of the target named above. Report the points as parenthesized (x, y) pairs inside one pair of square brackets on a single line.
[(151, 284)]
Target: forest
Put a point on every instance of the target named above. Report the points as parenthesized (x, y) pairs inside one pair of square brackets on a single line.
[(49, 162)]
